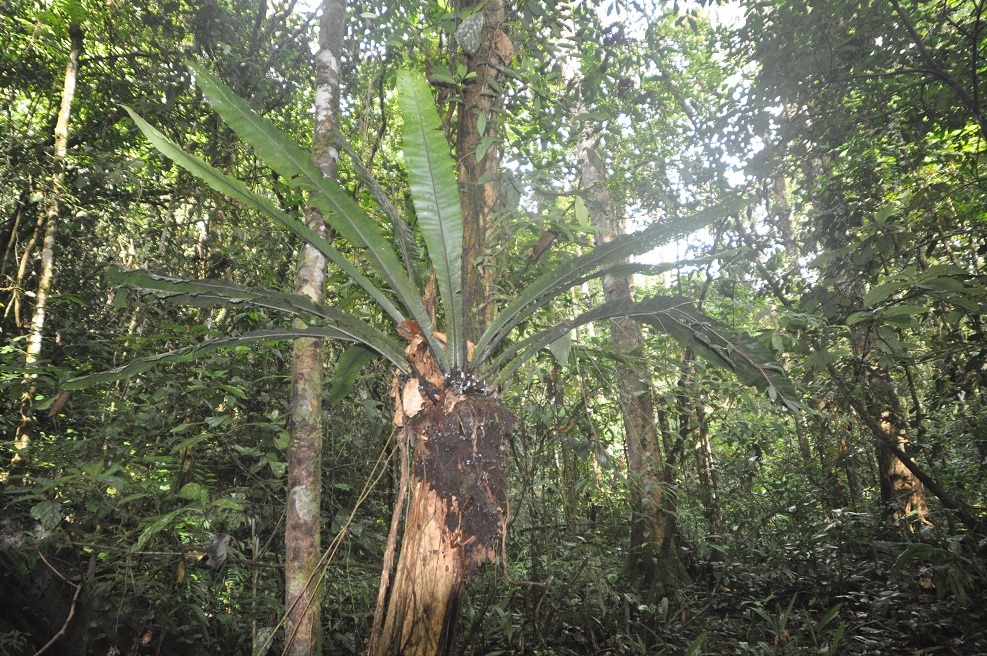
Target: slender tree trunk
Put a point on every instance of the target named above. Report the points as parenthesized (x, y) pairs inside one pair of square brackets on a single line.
[(457, 508), (707, 471), (477, 126), (646, 566), (302, 531), (47, 274), (902, 494)]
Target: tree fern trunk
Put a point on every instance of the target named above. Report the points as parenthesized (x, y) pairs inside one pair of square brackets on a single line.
[(456, 515)]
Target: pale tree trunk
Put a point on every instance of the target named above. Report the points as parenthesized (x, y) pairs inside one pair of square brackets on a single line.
[(47, 273), (457, 509), (302, 523), (479, 200), (648, 564)]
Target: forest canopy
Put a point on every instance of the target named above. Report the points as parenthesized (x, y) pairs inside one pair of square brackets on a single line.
[(518, 327)]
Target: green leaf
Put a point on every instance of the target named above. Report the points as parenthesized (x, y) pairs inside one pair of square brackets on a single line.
[(210, 293), (155, 527), (582, 211), (339, 210), (859, 317), (410, 252), (750, 360), (943, 284), (432, 177), (880, 293), (190, 353), (561, 349), (900, 310), (237, 190), (348, 367), (481, 148), (590, 265), (884, 213), (193, 491), (48, 512)]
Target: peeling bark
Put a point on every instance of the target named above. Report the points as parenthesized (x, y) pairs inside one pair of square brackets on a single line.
[(457, 508)]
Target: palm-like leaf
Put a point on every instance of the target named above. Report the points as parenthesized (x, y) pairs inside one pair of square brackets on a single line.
[(589, 266), (210, 293), (678, 318), (432, 177), (348, 367), (190, 353), (341, 212), (410, 252), (237, 190)]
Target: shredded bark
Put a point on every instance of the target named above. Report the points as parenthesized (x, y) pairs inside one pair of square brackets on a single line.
[(461, 455)]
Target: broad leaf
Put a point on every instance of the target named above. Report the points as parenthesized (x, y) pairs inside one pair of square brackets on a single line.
[(190, 353), (339, 210), (347, 369), (432, 177), (237, 190), (677, 317), (588, 266)]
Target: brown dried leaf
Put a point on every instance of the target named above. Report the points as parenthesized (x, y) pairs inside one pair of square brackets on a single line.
[(503, 47)]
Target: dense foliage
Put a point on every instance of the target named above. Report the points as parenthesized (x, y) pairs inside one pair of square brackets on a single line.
[(843, 138)]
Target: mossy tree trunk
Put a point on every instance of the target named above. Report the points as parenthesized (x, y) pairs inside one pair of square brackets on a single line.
[(478, 159), (302, 523)]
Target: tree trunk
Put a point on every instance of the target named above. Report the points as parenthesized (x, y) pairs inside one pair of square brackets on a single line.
[(706, 469), (457, 509), (480, 199), (302, 523), (22, 437), (902, 494), (646, 566)]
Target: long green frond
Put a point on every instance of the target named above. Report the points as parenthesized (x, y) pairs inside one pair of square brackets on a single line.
[(210, 293), (339, 210), (677, 317), (572, 273), (410, 252), (239, 191), (190, 353), (348, 367), (432, 177)]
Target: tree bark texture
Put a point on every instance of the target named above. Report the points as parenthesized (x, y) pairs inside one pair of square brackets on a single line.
[(303, 514), (477, 121), (52, 214), (902, 494), (457, 509), (647, 566)]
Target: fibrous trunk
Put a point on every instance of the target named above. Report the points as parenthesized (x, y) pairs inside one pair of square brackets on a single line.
[(456, 513)]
